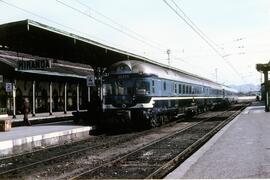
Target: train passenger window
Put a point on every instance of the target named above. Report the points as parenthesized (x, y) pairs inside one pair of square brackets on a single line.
[(164, 85), (153, 86)]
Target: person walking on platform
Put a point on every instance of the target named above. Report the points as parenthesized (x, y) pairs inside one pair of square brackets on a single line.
[(25, 112), (95, 110)]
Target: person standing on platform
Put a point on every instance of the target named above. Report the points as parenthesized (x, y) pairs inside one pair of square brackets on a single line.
[(25, 112), (95, 110)]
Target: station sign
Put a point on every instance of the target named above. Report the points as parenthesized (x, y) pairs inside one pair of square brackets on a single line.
[(8, 87), (1, 79), (90, 80), (33, 64)]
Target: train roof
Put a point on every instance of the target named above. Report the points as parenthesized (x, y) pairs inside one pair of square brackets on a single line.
[(162, 71)]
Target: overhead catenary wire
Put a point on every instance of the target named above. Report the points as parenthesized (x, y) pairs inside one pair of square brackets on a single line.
[(52, 21), (109, 25), (203, 37), (195, 26), (121, 26), (137, 34)]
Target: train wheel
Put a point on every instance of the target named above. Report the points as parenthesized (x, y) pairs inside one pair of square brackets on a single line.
[(161, 120), (153, 122)]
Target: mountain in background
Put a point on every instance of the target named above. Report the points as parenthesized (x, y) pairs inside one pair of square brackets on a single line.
[(244, 88)]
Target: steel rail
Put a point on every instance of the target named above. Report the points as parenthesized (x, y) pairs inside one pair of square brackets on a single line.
[(143, 147), (73, 152), (167, 167)]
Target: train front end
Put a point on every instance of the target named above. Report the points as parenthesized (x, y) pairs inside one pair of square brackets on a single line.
[(126, 97)]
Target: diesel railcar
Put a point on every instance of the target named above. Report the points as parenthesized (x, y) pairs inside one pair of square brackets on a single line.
[(142, 93)]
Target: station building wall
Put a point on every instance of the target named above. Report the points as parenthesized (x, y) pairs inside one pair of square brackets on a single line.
[(24, 89)]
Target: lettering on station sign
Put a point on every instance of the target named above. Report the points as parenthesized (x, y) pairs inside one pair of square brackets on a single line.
[(33, 64), (90, 80)]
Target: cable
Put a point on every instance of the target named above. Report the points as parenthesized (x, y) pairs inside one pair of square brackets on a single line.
[(120, 25), (49, 20), (106, 24), (193, 23), (204, 39)]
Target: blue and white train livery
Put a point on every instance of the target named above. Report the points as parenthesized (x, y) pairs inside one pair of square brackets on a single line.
[(136, 93)]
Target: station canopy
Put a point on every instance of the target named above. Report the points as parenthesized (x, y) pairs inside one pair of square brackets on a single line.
[(34, 38), (38, 39)]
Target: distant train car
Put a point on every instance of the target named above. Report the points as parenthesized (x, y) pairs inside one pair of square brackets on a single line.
[(140, 93)]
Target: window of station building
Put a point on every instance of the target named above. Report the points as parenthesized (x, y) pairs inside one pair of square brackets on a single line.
[(3, 100), (184, 89)]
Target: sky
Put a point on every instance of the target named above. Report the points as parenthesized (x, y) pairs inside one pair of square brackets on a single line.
[(235, 34)]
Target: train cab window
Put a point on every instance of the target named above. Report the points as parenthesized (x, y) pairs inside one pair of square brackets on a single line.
[(142, 87), (108, 89)]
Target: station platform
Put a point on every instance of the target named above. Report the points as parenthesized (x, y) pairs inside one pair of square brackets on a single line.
[(240, 150), (28, 138), (40, 118)]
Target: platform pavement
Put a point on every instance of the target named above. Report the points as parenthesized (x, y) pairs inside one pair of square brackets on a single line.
[(240, 150), (27, 138), (40, 118)]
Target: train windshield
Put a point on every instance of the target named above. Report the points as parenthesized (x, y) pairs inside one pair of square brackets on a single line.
[(119, 88), (142, 87)]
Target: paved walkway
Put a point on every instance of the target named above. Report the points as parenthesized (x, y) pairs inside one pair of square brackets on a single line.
[(240, 150), (40, 116), (27, 138)]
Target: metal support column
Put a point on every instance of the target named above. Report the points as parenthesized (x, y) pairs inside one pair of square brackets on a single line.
[(266, 90), (78, 97), (34, 99), (265, 68), (14, 99), (89, 93), (65, 98), (50, 100)]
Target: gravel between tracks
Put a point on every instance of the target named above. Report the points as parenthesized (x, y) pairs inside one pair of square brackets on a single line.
[(66, 167)]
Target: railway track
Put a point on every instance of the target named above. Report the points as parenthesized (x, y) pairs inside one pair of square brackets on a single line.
[(158, 158), (19, 163), (149, 159)]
